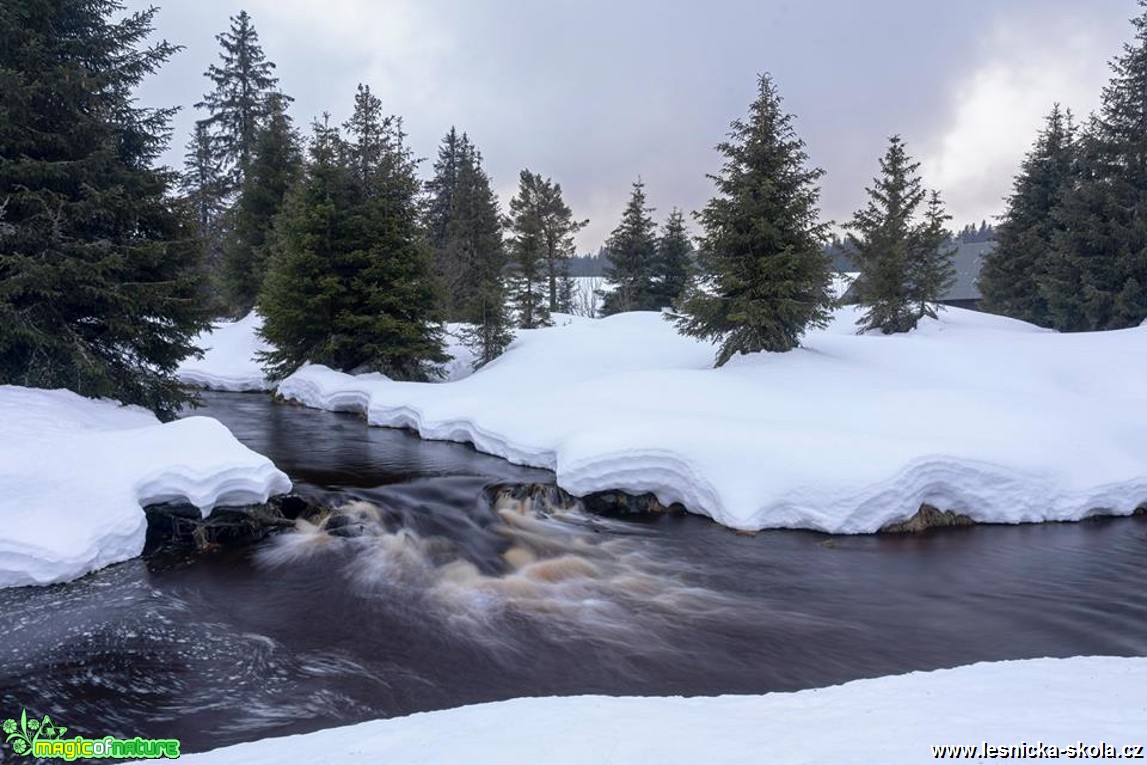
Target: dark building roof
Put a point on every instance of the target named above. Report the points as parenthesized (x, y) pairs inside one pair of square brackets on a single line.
[(967, 260)]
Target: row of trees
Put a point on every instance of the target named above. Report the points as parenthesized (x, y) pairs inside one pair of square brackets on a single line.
[(1072, 248), (356, 265), (361, 294), (765, 270), (646, 271)]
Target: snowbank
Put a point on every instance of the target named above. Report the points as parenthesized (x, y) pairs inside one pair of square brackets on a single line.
[(229, 362), (985, 416), (888, 720), (75, 473)]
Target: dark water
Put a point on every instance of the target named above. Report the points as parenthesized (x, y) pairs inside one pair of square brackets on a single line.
[(445, 602)]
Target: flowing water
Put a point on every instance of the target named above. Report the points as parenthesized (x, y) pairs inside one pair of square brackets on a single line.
[(453, 593)]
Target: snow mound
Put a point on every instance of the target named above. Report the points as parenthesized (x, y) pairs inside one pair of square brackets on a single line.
[(890, 720), (985, 416), (229, 360), (75, 474)]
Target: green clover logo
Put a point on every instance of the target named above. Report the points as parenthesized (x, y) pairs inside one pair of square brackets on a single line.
[(24, 734)]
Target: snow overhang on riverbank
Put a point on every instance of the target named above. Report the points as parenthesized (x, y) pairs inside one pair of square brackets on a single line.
[(1060, 702), (75, 475), (984, 416)]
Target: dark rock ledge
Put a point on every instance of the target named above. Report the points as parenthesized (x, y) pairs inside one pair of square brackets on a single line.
[(180, 526)]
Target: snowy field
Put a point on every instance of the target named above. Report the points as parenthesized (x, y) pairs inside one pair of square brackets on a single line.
[(75, 474), (985, 416), (888, 720)]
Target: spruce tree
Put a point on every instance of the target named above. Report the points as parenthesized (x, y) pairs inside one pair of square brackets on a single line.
[(304, 292), (930, 269), (1097, 274), (1012, 273), (905, 261), (275, 166), (243, 98), (673, 262), (558, 231), (442, 191), (351, 282), (99, 269), (631, 249), (203, 186), (474, 239), (528, 254), (764, 274)]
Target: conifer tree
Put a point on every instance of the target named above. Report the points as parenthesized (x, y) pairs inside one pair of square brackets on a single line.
[(99, 270), (528, 250), (204, 187), (930, 269), (275, 166), (1097, 274), (558, 229), (631, 249), (764, 274), (304, 294), (243, 98), (1011, 277), (442, 191), (905, 262), (351, 282), (474, 239), (673, 263)]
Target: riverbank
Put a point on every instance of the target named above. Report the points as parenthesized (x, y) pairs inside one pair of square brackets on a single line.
[(986, 419), (904, 719), (75, 474)]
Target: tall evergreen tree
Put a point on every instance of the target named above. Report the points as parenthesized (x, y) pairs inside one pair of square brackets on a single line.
[(631, 248), (304, 292), (905, 263), (442, 191), (764, 274), (528, 250), (204, 187), (474, 239), (1097, 274), (673, 263), (99, 271), (275, 166), (1012, 273), (930, 269), (242, 100), (351, 284), (558, 229)]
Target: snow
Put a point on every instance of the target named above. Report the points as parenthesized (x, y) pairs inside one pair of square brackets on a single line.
[(985, 416), (889, 720), (75, 474), (229, 362)]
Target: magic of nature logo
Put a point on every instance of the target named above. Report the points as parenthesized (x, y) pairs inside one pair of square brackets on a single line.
[(33, 737)]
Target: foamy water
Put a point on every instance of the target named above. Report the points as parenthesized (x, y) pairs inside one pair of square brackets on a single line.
[(590, 579)]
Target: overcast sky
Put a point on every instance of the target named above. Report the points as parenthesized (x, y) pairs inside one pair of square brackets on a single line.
[(598, 92)]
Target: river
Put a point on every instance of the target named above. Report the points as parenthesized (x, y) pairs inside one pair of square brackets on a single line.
[(447, 602)]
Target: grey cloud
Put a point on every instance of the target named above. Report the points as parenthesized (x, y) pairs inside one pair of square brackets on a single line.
[(599, 92)]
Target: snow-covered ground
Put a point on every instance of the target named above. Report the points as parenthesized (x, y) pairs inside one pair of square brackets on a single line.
[(75, 473), (889, 720), (228, 361), (986, 416)]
